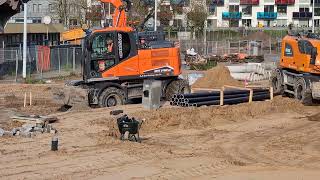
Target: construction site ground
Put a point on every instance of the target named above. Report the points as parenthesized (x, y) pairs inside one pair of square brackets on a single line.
[(276, 139)]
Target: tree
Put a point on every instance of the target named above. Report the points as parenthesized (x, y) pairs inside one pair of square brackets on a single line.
[(197, 16), (140, 11), (65, 10), (165, 15), (94, 15)]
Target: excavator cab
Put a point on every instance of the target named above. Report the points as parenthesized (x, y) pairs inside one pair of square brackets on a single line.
[(106, 49)]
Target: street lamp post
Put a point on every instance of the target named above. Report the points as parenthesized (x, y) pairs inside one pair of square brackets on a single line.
[(313, 24), (24, 64), (155, 14)]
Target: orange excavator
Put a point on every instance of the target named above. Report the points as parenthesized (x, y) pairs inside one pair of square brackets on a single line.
[(298, 74), (116, 61)]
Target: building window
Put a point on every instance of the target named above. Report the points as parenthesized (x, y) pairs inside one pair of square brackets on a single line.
[(234, 8), (34, 8), (50, 8), (19, 21), (39, 7), (234, 23), (268, 8), (303, 9), (317, 11), (317, 23), (212, 9), (247, 10), (36, 20), (246, 22), (282, 10), (177, 22)]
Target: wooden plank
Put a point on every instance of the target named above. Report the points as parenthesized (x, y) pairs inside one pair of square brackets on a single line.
[(205, 89), (25, 100), (30, 99), (40, 119), (251, 96), (271, 93), (236, 87), (221, 96)]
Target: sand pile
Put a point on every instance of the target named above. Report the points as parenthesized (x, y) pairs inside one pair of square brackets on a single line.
[(166, 119), (216, 77)]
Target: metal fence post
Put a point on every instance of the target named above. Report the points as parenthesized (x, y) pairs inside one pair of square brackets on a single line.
[(42, 57), (216, 47), (67, 58), (248, 48), (17, 66), (270, 46), (74, 60), (37, 61), (59, 61)]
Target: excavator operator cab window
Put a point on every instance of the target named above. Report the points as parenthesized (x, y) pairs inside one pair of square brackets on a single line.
[(103, 51), (288, 50), (305, 47)]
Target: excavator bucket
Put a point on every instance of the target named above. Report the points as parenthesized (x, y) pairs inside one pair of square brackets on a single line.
[(8, 8), (72, 94)]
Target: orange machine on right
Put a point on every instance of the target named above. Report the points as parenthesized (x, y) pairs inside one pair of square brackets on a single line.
[(298, 74)]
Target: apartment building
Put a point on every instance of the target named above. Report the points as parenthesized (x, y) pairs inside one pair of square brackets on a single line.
[(260, 13), (38, 32)]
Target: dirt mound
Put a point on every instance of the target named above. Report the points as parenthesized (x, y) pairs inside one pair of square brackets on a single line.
[(203, 117), (217, 77), (166, 119)]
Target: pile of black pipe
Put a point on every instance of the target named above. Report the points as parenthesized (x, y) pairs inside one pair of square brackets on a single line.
[(213, 98)]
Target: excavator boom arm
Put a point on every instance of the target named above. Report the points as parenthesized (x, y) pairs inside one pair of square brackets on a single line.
[(119, 18)]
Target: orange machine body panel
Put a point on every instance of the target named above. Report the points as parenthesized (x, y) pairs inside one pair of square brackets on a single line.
[(292, 58), (148, 62)]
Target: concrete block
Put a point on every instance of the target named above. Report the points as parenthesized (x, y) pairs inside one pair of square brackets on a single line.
[(28, 126), (48, 128), (1, 132), (26, 134), (14, 131), (8, 133), (38, 129), (17, 133), (151, 94)]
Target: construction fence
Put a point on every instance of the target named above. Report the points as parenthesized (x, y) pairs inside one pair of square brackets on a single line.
[(42, 61), (253, 48), (48, 62)]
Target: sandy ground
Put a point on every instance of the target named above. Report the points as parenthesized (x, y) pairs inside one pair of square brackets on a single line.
[(262, 140)]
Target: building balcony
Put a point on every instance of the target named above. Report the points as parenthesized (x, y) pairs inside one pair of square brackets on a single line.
[(217, 2), (231, 15), (284, 2), (267, 15), (301, 15), (249, 2)]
